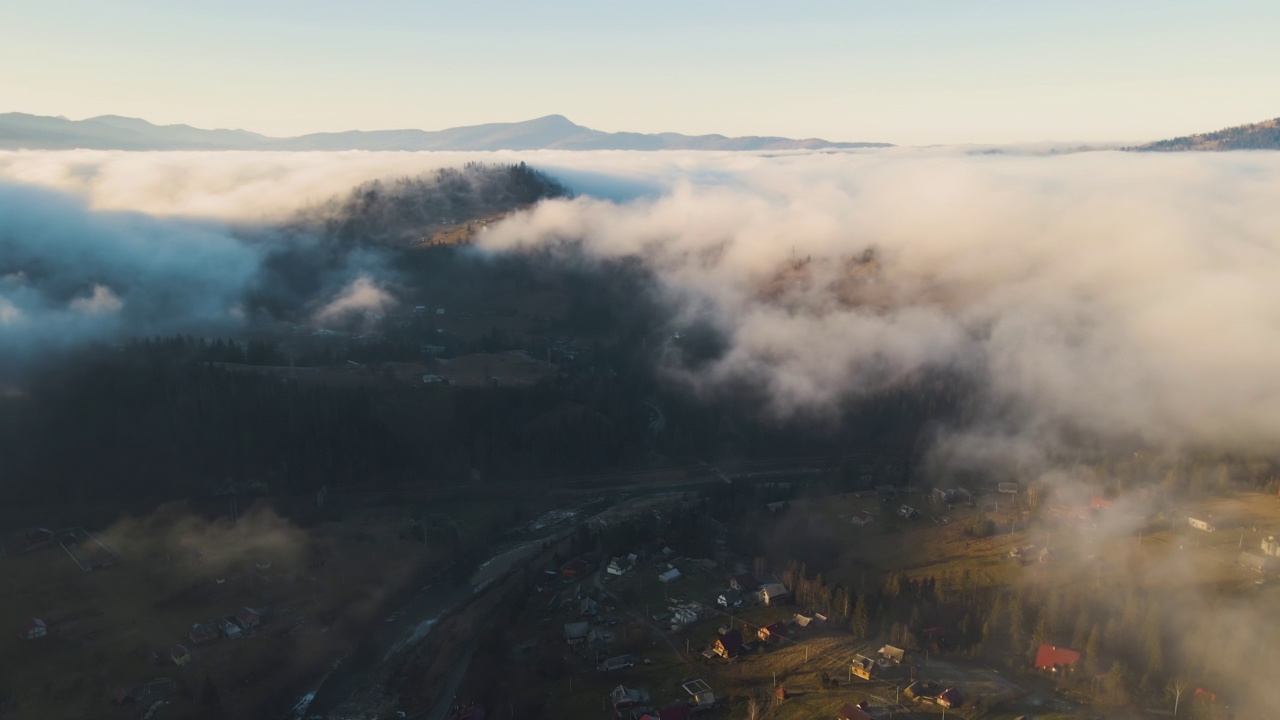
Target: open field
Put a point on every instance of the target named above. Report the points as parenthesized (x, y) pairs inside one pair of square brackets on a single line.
[(112, 628)]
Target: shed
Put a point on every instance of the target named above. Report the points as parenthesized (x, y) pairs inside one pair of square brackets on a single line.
[(669, 576), (33, 629)]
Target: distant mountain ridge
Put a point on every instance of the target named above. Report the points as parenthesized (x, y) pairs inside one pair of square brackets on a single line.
[(553, 132), (1264, 135)]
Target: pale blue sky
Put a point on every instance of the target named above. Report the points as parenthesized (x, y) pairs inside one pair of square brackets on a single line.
[(900, 71)]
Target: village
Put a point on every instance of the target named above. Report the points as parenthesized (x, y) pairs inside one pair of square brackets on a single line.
[(647, 606), (659, 632)]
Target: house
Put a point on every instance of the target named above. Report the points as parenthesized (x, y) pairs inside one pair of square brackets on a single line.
[(944, 495), (616, 663), (853, 712), (180, 655), (669, 576), (864, 667), (247, 618), (1254, 562), (730, 599), (621, 565), (588, 607), (923, 690), (599, 638), (1204, 523), (33, 629), (950, 697), (228, 627), (624, 697), (576, 632), (728, 644), (894, 654), (700, 692), (202, 633), (685, 615), (743, 583), (1053, 658), (772, 592), (861, 517), (772, 630), (1270, 547)]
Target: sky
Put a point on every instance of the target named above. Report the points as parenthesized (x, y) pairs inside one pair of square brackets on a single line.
[(910, 72)]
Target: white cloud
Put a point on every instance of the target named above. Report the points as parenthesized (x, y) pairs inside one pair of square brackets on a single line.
[(361, 296), (101, 300)]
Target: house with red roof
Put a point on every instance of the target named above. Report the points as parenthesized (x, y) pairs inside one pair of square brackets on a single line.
[(853, 712), (1053, 658)]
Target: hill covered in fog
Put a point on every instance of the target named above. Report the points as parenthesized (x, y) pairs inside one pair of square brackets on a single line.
[(20, 131)]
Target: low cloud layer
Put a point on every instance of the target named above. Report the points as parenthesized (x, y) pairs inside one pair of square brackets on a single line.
[(69, 275), (1119, 294), (1125, 295)]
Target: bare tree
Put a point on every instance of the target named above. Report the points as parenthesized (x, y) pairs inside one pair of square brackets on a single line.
[(1175, 689), (753, 709)]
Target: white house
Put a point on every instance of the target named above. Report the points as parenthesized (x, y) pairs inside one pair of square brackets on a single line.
[(1270, 547), (622, 565), (1204, 523), (771, 592)]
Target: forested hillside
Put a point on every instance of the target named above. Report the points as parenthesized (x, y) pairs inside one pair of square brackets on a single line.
[(1257, 136)]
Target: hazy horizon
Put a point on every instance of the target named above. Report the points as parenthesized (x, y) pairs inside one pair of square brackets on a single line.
[(927, 73)]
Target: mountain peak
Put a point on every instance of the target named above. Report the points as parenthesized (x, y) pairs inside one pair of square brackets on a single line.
[(552, 121)]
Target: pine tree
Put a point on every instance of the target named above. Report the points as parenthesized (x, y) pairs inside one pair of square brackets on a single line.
[(1092, 662), (860, 625)]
